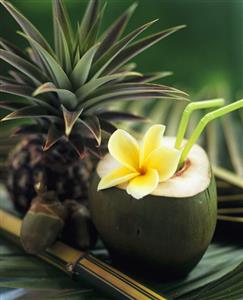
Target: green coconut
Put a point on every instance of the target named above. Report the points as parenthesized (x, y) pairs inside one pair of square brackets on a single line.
[(167, 231)]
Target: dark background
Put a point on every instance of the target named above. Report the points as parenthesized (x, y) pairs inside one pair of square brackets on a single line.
[(206, 57)]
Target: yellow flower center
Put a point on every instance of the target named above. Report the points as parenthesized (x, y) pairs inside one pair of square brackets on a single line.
[(142, 170)]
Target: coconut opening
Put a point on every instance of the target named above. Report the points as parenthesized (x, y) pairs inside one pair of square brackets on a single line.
[(192, 178)]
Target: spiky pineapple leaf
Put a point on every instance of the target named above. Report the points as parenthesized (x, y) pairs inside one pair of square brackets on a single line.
[(133, 50), (32, 111), (20, 78), (88, 19), (110, 55), (35, 58), (127, 91), (53, 136), (56, 72), (107, 126), (119, 116), (6, 45), (7, 80), (112, 34), (149, 77), (70, 119), (65, 56), (67, 98), (81, 70), (25, 92), (27, 26), (23, 65), (127, 86), (130, 96), (72, 84), (60, 14), (94, 84), (92, 123), (11, 105), (93, 33)]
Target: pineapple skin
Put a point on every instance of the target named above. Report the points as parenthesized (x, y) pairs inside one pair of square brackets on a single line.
[(59, 169)]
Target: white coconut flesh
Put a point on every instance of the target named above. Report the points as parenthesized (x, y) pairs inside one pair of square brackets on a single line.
[(192, 179)]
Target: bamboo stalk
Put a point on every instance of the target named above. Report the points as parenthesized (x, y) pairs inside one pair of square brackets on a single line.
[(84, 266)]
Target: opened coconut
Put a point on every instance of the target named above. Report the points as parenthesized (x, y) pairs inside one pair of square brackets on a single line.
[(168, 230)]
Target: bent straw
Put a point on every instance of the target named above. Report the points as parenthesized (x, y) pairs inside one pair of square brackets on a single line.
[(186, 115), (203, 123)]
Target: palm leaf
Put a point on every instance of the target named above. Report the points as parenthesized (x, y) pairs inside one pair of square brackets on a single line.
[(218, 275)]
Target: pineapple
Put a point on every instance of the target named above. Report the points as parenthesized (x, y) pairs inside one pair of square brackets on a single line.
[(64, 94)]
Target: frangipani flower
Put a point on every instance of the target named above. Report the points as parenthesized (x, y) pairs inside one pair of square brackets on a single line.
[(142, 166)]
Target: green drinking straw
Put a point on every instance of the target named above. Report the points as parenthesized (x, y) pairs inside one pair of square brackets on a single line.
[(186, 115), (203, 123)]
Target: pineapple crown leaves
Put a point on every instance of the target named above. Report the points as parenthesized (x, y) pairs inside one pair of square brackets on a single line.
[(65, 91)]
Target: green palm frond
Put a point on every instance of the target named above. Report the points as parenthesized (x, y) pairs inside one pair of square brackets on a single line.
[(218, 275)]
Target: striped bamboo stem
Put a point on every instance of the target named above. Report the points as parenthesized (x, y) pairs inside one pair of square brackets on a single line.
[(84, 266)]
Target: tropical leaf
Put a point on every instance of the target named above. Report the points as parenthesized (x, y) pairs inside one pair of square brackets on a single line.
[(60, 14), (81, 70), (217, 276), (71, 77), (27, 112), (93, 33), (110, 55), (67, 98), (88, 19), (118, 116), (23, 65), (20, 78), (6, 45), (64, 53), (93, 125), (55, 69), (112, 34), (127, 91), (70, 119), (94, 84), (25, 92), (107, 126), (27, 26), (11, 105), (150, 77), (53, 136), (136, 48)]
